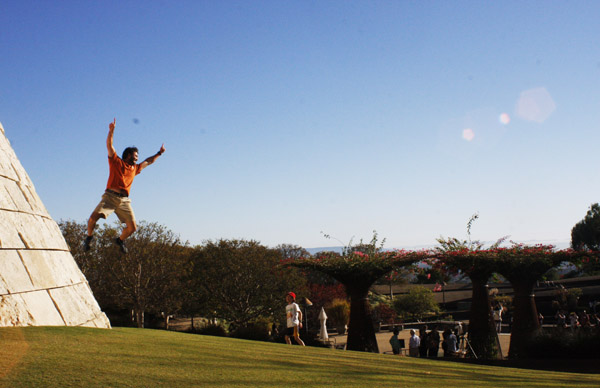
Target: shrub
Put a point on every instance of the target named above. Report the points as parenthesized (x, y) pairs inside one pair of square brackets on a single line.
[(338, 312), (384, 313), (258, 330), (214, 329), (558, 343), (418, 303)]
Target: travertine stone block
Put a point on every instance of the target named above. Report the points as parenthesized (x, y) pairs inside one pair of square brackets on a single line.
[(42, 308), (17, 196), (14, 274), (48, 269), (9, 234), (24, 230), (13, 311), (74, 302)]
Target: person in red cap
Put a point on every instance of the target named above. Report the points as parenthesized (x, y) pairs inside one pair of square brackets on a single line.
[(294, 319)]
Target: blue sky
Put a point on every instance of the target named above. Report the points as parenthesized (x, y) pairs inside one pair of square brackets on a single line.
[(285, 119)]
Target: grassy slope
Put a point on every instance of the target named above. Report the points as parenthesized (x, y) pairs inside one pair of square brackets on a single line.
[(80, 357)]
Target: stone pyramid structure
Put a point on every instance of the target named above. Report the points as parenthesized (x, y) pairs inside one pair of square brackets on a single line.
[(40, 283)]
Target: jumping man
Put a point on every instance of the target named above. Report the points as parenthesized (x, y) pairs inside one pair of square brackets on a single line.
[(116, 197)]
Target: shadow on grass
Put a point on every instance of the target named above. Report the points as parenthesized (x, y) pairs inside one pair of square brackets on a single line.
[(571, 365)]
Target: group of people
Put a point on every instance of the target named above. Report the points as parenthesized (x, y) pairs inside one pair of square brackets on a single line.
[(575, 321), (427, 343)]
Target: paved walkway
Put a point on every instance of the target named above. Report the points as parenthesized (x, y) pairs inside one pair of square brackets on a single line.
[(383, 341)]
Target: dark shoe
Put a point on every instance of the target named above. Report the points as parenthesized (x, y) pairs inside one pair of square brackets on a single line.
[(121, 245), (87, 243)]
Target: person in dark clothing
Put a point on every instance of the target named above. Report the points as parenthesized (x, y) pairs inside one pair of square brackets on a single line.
[(434, 343), (423, 346)]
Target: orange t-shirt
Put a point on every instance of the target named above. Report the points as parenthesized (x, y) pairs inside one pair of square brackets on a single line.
[(121, 174)]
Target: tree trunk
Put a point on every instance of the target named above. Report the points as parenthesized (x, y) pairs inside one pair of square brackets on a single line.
[(166, 321), (139, 318), (361, 334), (525, 318), (482, 332)]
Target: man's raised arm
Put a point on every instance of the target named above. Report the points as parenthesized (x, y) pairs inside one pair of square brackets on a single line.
[(109, 139), (152, 158)]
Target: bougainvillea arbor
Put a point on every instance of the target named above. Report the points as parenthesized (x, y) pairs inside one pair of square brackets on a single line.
[(357, 268), (522, 266), (479, 266)]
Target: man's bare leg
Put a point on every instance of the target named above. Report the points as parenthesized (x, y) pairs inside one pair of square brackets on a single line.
[(92, 223), (130, 227), (298, 340)]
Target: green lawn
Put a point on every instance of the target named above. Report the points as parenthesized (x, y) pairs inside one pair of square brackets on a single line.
[(123, 357)]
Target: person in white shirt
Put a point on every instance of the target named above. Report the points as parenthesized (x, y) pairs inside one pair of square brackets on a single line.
[(413, 344), (294, 319)]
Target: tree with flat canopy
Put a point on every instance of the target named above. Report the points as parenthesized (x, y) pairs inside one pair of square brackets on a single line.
[(468, 257), (478, 265), (357, 268), (523, 266)]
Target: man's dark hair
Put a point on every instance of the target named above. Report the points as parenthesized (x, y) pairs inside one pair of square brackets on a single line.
[(129, 151)]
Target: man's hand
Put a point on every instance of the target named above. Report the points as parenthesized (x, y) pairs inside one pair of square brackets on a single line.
[(109, 139), (152, 159)]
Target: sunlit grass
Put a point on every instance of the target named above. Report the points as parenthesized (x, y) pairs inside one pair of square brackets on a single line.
[(122, 357)]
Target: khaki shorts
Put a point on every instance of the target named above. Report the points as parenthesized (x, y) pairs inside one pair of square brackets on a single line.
[(120, 205)]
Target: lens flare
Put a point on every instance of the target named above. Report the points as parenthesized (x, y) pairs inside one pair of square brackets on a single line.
[(535, 105), (468, 134), (504, 119)]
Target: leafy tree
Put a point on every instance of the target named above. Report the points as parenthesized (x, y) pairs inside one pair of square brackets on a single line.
[(150, 273), (338, 312), (243, 280), (585, 235), (288, 251), (92, 263), (418, 302), (566, 299), (147, 279), (384, 312), (172, 288)]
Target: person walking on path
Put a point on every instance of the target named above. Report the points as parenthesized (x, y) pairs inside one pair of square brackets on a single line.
[(294, 319), (116, 197)]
